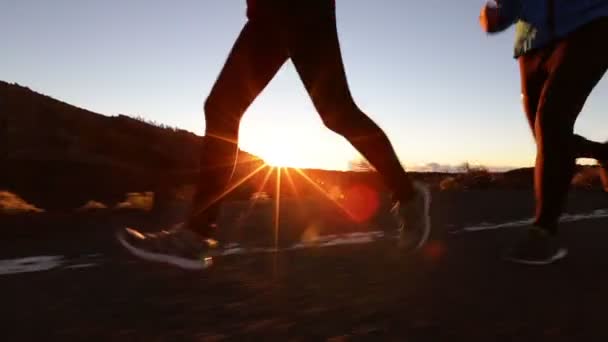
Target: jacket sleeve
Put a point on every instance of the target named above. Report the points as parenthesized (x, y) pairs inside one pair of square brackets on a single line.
[(509, 12)]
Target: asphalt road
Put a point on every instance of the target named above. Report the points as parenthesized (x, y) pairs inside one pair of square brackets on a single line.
[(457, 288)]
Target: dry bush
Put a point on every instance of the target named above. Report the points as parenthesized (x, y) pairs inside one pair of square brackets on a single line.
[(586, 178), (13, 204), (478, 177), (138, 200), (260, 196), (449, 183), (92, 205)]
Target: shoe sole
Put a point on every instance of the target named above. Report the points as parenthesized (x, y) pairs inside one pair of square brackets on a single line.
[(161, 258), (560, 254)]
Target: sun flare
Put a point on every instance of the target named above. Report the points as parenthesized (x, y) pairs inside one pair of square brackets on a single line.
[(279, 156)]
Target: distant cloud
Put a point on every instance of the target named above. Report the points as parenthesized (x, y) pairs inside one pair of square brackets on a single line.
[(364, 165), (454, 168)]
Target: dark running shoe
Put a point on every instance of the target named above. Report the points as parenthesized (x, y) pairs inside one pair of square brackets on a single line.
[(178, 247), (536, 247)]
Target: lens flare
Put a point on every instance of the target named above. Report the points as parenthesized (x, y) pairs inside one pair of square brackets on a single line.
[(362, 202), (434, 250)]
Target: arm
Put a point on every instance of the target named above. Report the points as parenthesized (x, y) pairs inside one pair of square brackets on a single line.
[(499, 15)]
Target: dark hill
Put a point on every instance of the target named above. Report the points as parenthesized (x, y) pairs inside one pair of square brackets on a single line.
[(59, 155)]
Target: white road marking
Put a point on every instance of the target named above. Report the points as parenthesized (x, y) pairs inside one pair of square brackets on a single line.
[(30, 264), (50, 262), (42, 263), (594, 215)]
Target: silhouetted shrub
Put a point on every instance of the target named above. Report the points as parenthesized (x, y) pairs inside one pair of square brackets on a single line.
[(92, 205), (586, 178), (12, 204), (450, 183), (136, 200)]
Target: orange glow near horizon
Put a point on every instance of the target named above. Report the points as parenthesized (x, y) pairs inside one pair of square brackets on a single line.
[(316, 154), (277, 209), (292, 185), (296, 146), (279, 156), (307, 146)]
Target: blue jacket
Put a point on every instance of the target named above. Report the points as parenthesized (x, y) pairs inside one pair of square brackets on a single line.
[(540, 22)]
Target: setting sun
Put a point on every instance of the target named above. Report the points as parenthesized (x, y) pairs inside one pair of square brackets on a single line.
[(300, 146), (279, 156)]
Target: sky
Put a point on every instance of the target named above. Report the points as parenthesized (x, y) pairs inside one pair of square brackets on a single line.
[(443, 91)]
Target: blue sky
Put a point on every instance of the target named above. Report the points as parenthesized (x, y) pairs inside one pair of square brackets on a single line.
[(443, 90)]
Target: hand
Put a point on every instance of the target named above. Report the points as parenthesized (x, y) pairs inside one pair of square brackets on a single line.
[(489, 17)]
